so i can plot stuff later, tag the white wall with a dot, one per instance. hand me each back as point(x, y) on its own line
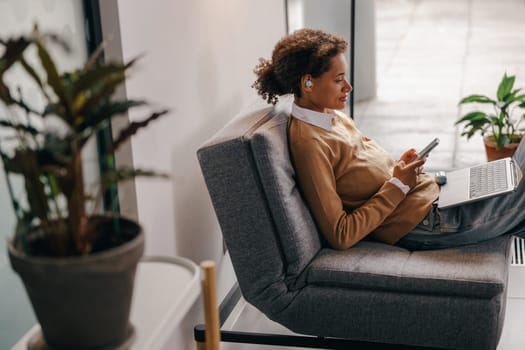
point(199, 57)
point(199, 60)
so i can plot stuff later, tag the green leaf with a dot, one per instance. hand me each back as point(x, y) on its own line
point(57, 40)
point(475, 122)
point(14, 49)
point(25, 107)
point(505, 86)
point(478, 99)
point(19, 127)
point(105, 112)
point(473, 130)
point(511, 98)
point(132, 128)
point(106, 87)
point(35, 76)
point(56, 151)
point(126, 173)
point(520, 98)
point(496, 121)
point(14, 201)
point(476, 116)
point(5, 94)
point(112, 177)
point(25, 162)
point(101, 117)
point(13, 52)
point(90, 79)
point(511, 95)
point(93, 59)
point(54, 80)
point(54, 109)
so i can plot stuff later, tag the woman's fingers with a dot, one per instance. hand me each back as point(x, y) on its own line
point(409, 156)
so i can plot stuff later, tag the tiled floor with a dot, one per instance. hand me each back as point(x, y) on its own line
point(430, 54)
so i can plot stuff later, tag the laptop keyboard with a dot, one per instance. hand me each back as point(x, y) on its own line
point(487, 178)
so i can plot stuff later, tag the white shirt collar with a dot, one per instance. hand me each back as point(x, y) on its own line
point(322, 120)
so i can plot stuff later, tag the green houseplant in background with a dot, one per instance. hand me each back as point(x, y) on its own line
point(499, 123)
point(77, 265)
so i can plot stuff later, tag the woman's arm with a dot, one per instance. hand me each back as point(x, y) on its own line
point(312, 162)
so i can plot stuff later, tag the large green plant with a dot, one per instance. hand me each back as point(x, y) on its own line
point(54, 208)
point(504, 119)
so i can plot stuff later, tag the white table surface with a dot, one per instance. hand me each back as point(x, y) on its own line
point(165, 289)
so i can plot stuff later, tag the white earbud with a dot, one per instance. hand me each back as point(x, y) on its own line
point(308, 83)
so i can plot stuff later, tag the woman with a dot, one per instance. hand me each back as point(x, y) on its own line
point(352, 186)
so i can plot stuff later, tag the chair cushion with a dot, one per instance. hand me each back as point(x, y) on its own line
point(295, 227)
point(475, 271)
point(268, 230)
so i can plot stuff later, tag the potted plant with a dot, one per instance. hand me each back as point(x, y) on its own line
point(499, 124)
point(77, 263)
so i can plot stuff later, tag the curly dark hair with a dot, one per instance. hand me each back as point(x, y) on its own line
point(306, 51)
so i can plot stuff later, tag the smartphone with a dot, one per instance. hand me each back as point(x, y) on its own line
point(423, 153)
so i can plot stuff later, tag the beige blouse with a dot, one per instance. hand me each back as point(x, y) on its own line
point(344, 178)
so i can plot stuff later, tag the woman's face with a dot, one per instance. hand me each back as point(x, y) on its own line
point(328, 91)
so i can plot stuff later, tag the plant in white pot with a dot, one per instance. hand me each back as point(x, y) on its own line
point(77, 265)
point(499, 124)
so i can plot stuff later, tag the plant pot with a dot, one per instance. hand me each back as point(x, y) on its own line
point(83, 302)
point(493, 153)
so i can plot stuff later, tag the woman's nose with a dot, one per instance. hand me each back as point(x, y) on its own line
point(348, 87)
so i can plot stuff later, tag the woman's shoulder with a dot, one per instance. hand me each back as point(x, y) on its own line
point(307, 139)
point(301, 130)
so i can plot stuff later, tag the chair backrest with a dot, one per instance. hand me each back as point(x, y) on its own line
point(267, 227)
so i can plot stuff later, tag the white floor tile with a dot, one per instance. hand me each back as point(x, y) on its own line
point(516, 287)
point(513, 335)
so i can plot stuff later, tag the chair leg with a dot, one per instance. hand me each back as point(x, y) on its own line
point(211, 311)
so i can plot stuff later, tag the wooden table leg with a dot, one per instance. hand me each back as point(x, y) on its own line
point(211, 310)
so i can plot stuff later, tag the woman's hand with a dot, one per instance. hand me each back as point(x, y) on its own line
point(409, 156)
point(407, 173)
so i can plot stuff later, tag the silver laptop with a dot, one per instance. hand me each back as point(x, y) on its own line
point(479, 182)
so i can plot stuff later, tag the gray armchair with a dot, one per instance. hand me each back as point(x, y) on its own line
point(373, 292)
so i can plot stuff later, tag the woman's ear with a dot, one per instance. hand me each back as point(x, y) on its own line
point(307, 83)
